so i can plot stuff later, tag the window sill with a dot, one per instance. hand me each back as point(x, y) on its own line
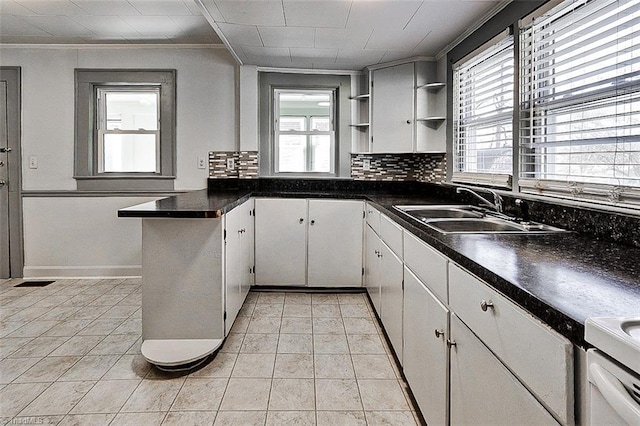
point(124, 183)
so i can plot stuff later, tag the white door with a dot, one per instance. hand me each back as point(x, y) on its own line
point(393, 106)
point(4, 186)
point(281, 241)
point(372, 267)
point(335, 243)
point(483, 391)
point(391, 296)
point(425, 349)
point(234, 265)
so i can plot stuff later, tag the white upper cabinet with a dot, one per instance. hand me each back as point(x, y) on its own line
point(408, 108)
point(335, 243)
point(393, 109)
point(281, 241)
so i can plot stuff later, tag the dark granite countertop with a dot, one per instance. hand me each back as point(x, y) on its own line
point(562, 279)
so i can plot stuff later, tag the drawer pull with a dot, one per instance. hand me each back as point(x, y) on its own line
point(301, 220)
point(439, 333)
point(451, 343)
point(484, 305)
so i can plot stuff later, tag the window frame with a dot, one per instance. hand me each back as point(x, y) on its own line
point(276, 91)
point(87, 172)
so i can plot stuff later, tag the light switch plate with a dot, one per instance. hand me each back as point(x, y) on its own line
point(366, 164)
point(202, 163)
point(231, 163)
point(33, 162)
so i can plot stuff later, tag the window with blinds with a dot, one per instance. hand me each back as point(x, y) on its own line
point(483, 115)
point(580, 101)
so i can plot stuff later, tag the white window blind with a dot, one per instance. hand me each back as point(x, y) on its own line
point(580, 101)
point(483, 115)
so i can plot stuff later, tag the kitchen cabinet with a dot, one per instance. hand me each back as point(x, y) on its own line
point(335, 238)
point(537, 355)
point(383, 277)
point(295, 240)
point(281, 241)
point(392, 120)
point(429, 266)
point(425, 359)
point(483, 391)
point(238, 271)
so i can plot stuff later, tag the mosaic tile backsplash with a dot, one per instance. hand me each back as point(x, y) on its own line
point(420, 167)
point(245, 164)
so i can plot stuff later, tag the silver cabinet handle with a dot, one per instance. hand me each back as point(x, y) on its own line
point(3, 182)
point(301, 220)
point(408, 121)
point(5, 149)
point(486, 304)
point(451, 343)
point(313, 222)
point(439, 333)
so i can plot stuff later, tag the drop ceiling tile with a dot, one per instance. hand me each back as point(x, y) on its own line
point(368, 56)
point(52, 7)
point(107, 7)
point(287, 36)
point(61, 26)
point(317, 13)
point(349, 38)
point(275, 52)
point(241, 34)
point(382, 14)
point(161, 7)
point(106, 26)
point(193, 25)
point(193, 7)
point(394, 55)
point(452, 17)
point(153, 26)
point(266, 13)
point(211, 9)
point(197, 39)
point(388, 39)
point(13, 26)
point(10, 7)
point(302, 54)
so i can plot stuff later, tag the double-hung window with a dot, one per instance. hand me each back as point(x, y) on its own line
point(580, 101)
point(304, 133)
point(125, 124)
point(483, 114)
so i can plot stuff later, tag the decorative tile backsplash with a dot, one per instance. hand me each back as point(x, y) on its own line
point(420, 167)
point(245, 164)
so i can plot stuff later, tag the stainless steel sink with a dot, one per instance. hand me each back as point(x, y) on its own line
point(467, 219)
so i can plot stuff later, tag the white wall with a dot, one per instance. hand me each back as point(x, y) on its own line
point(64, 233)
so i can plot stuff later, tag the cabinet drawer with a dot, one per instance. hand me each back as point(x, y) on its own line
point(540, 357)
point(373, 218)
point(391, 234)
point(428, 265)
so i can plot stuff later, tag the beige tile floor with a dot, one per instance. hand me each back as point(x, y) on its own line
point(70, 355)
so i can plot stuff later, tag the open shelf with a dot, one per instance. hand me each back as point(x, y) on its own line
point(432, 86)
point(360, 97)
point(432, 119)
point(359, 125)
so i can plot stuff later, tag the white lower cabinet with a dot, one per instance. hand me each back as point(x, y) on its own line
point(391, 296)
point(425, 354)
point(281, 241)
point(238, 258)
point(335, 243)
point(308, 242)
point(483, 391)
point(372, 266)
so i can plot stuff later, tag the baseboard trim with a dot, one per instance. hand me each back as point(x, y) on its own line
point(61, 272)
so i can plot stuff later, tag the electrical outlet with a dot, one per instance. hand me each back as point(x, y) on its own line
point(366, 164)
point(202, 163)
point(231, 163)
point(33, 162)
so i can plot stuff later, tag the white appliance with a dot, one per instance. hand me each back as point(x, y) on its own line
point(613, 369)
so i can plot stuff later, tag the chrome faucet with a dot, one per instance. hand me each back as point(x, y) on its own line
point(497, 199)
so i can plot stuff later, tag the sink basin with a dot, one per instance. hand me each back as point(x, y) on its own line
point(433, 212)
point(617, 337)
point(489, 225)
point(467, 219)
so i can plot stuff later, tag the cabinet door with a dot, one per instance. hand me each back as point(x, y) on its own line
point(372, 267)
point(483, 391)
point(391, 296)
point(234, 264)
point(247, 248)
point(425, 349)
point(335, 243)
point(281, 245)
point(393, 117)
